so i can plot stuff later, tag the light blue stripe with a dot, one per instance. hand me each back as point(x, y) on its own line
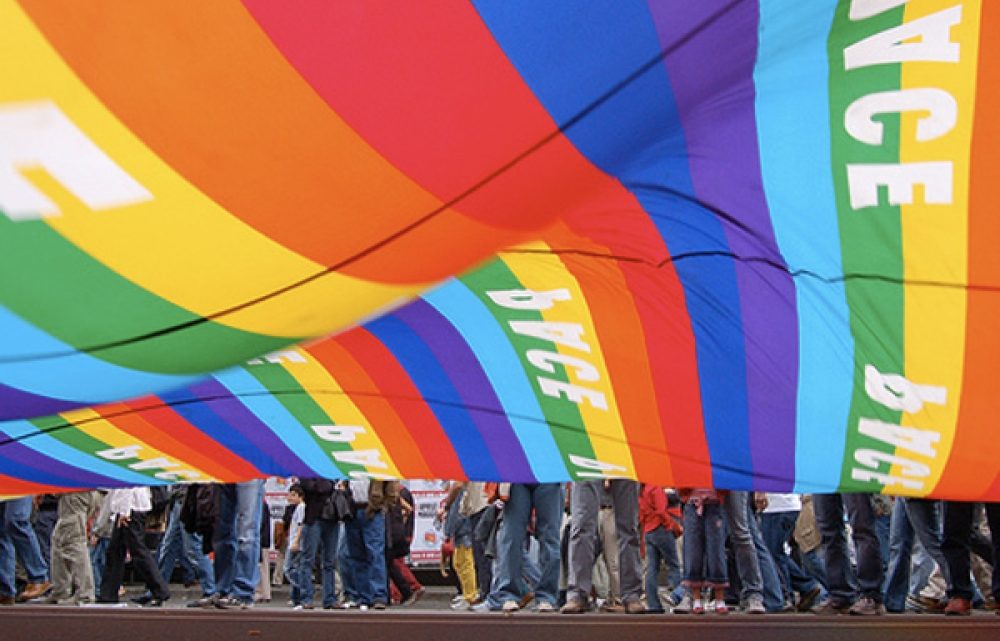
point(56, 449)
point(81, 378)
point(258, 399)
point(793, 120)
point(496, 355)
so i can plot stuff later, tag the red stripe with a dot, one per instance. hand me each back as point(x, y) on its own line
point(427, 86)
point(394, 385)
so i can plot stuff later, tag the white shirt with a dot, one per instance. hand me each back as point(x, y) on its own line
point(298, 518)
point(127, 500)
point(783, 503)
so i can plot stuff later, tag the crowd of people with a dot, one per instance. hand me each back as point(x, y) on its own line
point(611, 545)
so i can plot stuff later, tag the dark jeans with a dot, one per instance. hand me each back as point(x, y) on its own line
point(130, 538)
point(830, 521)
point(777, 528)
point(484, 565)
point(956, 547)
point(661, 546)
point(911, 518)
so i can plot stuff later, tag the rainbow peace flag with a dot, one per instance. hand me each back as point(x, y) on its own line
point(746, 244)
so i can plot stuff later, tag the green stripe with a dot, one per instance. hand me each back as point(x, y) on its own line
point(564, 418)
point(297, 400)
point(64, 291)
point(56, 427)
point(871, 238)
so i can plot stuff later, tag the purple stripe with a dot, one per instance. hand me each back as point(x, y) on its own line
point(270, 454)
point(472, 384)
point(16, 404)
point(720, 127)
point(22, 462)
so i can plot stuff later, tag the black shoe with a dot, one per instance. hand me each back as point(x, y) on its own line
point(154, 603)
point(142, 600)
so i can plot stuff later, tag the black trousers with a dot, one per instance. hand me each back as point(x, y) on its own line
point(130, 538)
point(957, 544)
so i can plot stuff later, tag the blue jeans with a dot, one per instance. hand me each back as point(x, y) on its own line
point(830, 521)
point(774, 601)
point(737, 511)
point(314, 534)
point(777, 528)
point(298, 577)
point(661, 546)
point(16, 534)
point(98, 558)
point(547, 500)
point(237, 539)
point(704, 547)
point(180, 545)
point(911, 518)
point(365, 558)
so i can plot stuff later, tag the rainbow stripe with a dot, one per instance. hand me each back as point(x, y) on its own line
point(746, 244)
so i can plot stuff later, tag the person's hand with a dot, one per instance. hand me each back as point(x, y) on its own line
point(123, 520)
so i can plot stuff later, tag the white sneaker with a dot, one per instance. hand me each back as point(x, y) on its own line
point(545, 606)
point(510, 606)
point(684, 607)
point(698, 607)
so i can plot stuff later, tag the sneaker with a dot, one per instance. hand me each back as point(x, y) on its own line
point(867, 606)
point(481, 607)
point(808, 599)
point(831, 606)
point(957, 606)
point(718, 606)
point(698, 607)
point(347, 605)
point(297, 607)
point(755, 605)
point(458, 598)
point(379, 605)
point(545, 607)
point(574, 605)
point(685, 606)
point(510, 606)
point(363, 607)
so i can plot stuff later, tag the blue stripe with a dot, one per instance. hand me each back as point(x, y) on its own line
point(793, 120)
point(30, 436)
point(271, 412)
point(569, 54)
point(439, 394)
point(506, 374)
point(82, 378)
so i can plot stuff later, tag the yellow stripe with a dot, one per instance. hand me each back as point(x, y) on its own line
point(935, 242)
point(311, 375)
point(94, 425)
point(543, 272)
point(206, 260)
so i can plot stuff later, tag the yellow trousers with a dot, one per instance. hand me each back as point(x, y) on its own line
point(465, 567)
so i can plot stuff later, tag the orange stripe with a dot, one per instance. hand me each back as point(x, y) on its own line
point(973, 469)
point(387, 424)
point(622, 339)
point(168, 432)
point(212, 96)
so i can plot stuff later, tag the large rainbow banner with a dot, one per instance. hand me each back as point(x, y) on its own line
point(744, 243)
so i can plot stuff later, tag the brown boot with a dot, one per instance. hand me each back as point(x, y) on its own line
point(33, 591)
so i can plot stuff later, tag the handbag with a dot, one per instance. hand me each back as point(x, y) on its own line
point(338, 506)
